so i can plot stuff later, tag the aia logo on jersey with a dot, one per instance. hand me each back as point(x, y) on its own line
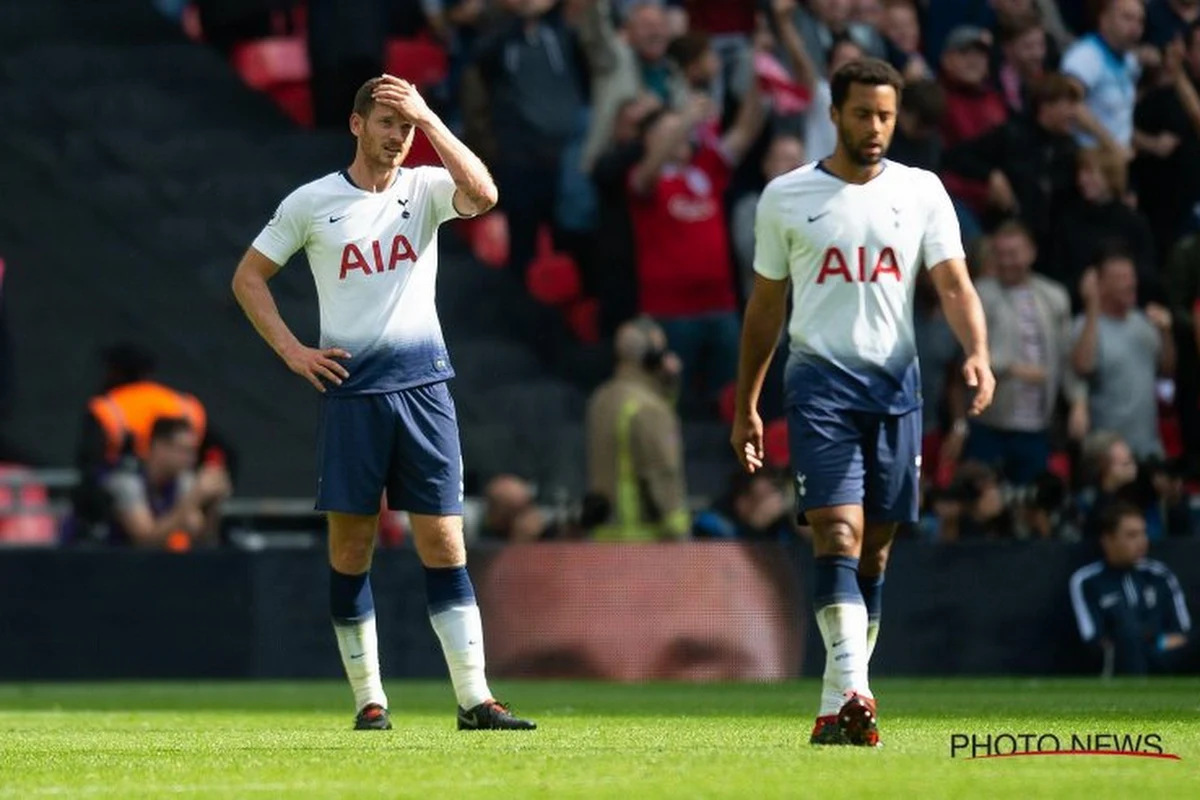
point(864, 268)
point(353, 259)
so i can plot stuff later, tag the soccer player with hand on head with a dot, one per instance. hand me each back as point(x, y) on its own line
point(387, 418)
point(847, 235)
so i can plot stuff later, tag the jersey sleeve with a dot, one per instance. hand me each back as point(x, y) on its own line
point(439, 190)
point(287, 230)
point(942, 239)
point(770, 239)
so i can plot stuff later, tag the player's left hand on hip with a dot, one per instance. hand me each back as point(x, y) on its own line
point(978, 374)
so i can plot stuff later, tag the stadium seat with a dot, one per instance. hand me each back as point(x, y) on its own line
point(583, 317)
point(727, 402)
point(416, 60)
point(27, 522)
point(265, 63)
point(1059, 465)
point(553, 279)
point(189, 20)
point(1169, 431)
point(279, 66)
point(487, 237)
point(422, 153)
point(775, 444)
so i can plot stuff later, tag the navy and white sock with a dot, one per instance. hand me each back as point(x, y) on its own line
point(842, 618)
point(352, 607)
point(455, 618)
point(872, 594)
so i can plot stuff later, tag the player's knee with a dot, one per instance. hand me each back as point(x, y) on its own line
point(350, 556)
point(439, 541)
point(442, 551)
point(840, 538)
point(351, 544)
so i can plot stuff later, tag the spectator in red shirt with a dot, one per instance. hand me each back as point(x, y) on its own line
point(685, 274)
point(973, 106)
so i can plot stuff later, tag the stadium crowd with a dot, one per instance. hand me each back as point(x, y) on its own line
point(630, 139)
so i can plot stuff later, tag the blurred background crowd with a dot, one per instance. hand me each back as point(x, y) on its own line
point(594, 318)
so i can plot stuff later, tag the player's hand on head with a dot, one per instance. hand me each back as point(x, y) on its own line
point(747, 441)
point(317, 365)
point(977, 372)
point(402, 96)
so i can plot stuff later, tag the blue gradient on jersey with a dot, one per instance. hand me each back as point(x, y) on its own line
point(392, 366)
point(858, 385)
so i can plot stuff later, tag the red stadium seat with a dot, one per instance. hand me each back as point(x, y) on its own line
point(553, 279)
point(419, 61)
point(27, 522)
point(190, 20)
point(278, 66)
point(1169, 431)
point(422, 153)
point(583, 317)
point(1059, 465)
point(488, 238)
point(775, 444)
point(276, 61)
point(727, 402)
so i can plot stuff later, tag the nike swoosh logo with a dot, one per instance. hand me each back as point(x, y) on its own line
point(469, 719)
point(818, 216)
point(356, 656)
point(838, 643)
point(333, 219)
point(402, 202)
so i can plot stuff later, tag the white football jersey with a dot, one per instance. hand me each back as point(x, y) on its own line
point(374, 259)
point(852, 252)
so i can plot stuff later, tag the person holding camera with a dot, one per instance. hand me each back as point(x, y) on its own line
point(634, 442)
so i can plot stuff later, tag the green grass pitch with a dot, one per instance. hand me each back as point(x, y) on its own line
point(277, 739)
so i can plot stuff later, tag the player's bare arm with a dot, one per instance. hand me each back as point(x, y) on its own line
point(964, 312)
point(765, 313)
point(254, 296)
point(476, 190)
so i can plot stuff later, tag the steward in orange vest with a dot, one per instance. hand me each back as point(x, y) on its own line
point(117, 427)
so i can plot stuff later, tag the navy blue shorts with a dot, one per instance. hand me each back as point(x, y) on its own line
point(404, 443)
point(847, 458)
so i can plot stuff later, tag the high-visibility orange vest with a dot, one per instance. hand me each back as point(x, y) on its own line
point(130, 411)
